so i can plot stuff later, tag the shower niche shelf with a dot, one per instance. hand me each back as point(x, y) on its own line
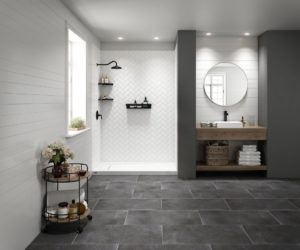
point(105, 84)
point(105, 99)
point(138, 106)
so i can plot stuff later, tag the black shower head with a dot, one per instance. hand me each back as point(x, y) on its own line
point(116, 67)
point(113, 67)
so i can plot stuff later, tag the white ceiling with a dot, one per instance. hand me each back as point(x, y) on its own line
point(141, 20)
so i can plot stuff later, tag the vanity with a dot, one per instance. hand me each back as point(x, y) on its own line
point(256, 134)
point(226, 85)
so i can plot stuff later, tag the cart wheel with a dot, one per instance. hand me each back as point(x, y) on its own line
point(79, 230)
point(90, 217)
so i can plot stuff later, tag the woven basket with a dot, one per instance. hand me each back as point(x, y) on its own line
point(217, 155)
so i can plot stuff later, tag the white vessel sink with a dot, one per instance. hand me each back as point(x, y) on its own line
point(229, 124)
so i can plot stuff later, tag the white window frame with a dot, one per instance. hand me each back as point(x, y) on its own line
point(69, 133)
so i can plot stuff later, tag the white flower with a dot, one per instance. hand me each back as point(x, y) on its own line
point(47, 153)
point(57, 145)
point(67, 152)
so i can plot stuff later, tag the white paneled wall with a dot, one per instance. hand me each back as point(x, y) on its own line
point(241, 51)
point(32, 108)
point(139, 136)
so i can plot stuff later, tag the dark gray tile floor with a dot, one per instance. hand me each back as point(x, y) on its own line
point(166, 213)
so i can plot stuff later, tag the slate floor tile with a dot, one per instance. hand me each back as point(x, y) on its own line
point(239, 185)
point(124, 234)
point(113, 194)
point(163, 194)
point(147, 186)
point(287, 217)
point(204, 234)
point(120, 186)
point(194, 204)
point(256, 247)
point(277, 194)
point(296, 202)
point(165, 247)
point(128, 204)
point(182, 186)
point(221, 194)
point(109, 217)
point(54, 239)
point(237, 217)
point(200, 185)
point(274, 234)
point(114, 178)
point(260, 204)
point(288, 185)
point(160, 178)
point(163, 217)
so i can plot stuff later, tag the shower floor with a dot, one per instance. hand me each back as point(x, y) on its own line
point(136, 168)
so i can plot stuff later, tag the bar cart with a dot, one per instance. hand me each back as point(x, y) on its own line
point(79, 174)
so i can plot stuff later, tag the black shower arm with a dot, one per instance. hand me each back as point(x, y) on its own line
point(105, 64)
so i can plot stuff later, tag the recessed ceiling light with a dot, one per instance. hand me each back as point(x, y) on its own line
point(247, 34)
point(120, 38)
point(208, 34)
point(156, 38)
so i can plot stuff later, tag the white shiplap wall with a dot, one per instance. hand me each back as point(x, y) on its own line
point(241, 51)
point(32, 108)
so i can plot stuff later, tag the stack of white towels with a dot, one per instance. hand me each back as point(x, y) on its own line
point(249, 156)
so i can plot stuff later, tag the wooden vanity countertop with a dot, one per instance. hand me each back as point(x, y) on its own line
point(255, 133)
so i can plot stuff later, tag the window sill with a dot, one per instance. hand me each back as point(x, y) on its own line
point(72, 133)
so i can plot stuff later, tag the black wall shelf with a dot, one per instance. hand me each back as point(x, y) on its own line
point(106, 99)
point(105, 84)
point(138, 106)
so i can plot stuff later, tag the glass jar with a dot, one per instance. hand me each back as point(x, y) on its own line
point(63, 210)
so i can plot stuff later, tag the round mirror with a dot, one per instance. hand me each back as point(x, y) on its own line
point(225, 84)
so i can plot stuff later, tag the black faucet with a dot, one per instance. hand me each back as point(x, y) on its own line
point(225, 115)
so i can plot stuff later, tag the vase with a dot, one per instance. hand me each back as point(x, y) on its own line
point(57, 171)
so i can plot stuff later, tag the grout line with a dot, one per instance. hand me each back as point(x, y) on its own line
point(202, 223)
point(73, 241)
point(227, 204)
point(244, 230)
point(126, 217)
point(275, 218)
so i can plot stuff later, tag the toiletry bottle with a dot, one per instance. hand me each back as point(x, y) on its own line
point(63, 210)
point(106, 79)
point(73, 210)
point(102, 78)
point(145, 100)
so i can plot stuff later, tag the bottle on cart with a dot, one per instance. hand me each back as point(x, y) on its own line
point(73, 210)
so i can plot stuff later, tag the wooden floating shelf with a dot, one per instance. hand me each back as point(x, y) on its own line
point(105, 84)
point(229, 168)
point(55, 219)
point(138, 106)
point(255, 133)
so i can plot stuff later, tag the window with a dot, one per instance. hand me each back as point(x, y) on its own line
point(76, 77)
point(215, 87)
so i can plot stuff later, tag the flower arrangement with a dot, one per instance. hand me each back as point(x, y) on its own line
point(57, 153)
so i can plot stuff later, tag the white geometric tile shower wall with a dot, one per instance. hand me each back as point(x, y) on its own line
point(139, 136)
point(241, 51)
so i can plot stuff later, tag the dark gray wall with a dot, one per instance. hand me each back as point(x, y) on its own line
point(279, 100)
point(186, 89)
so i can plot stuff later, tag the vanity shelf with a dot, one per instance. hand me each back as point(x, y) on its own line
point(229, 168)
point(138, 106)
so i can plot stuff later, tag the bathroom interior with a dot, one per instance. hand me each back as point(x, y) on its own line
point(169, 99)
